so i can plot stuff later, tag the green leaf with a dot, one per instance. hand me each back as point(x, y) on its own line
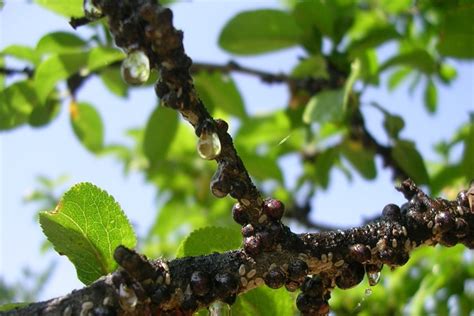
point(468, 154)
point(220, 92)
point(330, 105)
point(159, 134)
point(330, 18)
point(56, 68)
point(431, 96)
point(373, 38)
point(313, 66)
point(456, 33)
point(103, 56)
point(326, 106)
point(60, 42)
point(360, 158)
point(17, 102)
point(369, 67)
point(264, 301)
point(87, 126)
point(318, 14)
point(259, 31)
point(269, 129)
point(418, 59)
point(397, 77)
point(447, 73)
point(69, 8)
point(45, 113)
point(21, 52)
point(12, 306)
point(405, 154)
point(393, 124)
point(445, 177)
point(208, 240)
point(86, 226)
point(324, 163)
point(263, 167)
point(112, 79)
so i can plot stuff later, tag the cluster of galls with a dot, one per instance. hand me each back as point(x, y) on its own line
point(314, 296)
point(205, 288)
point(202, 289)
point(154, 281)
point(448, 227)
point(262, 233)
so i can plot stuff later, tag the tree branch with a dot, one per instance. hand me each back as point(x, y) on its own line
point(339, 258)
point(11, 71)
point(271, 254)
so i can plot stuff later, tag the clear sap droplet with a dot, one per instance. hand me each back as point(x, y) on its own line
point(91, 11)
point(209, 145)
point(368, 292)
point(219, 309)
point(136, 68)
point(374, 277)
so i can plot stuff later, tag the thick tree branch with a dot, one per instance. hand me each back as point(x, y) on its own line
point(146, 26)
point(334, 258)
point(272, 254)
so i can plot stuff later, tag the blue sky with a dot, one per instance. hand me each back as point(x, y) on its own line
point(54, 150)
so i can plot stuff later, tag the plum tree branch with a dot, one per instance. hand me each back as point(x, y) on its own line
point(272, 254)
point(339, 258)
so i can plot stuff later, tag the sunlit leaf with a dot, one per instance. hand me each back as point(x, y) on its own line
point(70, 8)
point(431, 96)
point(468, 154)
point(12, 306)
point(397, 77)
point(46, 112)
point(447, 73)
point(219, 91)
point(264, 301)
point(103, 56)
point(113, 81)
point(55, 69)
point(314, 66)
point(17, 102)
point(260, 31)
point(21, 52)
point(326, 106)
point(263, 167)
point(87, 125)
point(419, 59)
point(360, 158)
point(405, 154)
point(60, 42)
point(456, 33)
point(159, 134)
point(208, 240)
point(86, 226)
point(323, 165)
point(375, 37)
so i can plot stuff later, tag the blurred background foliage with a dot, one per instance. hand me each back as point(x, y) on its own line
point(323, 126)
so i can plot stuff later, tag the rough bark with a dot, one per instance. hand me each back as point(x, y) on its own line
point(271, 254)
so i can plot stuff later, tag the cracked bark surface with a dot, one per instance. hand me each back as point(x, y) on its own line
point(271, 255)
